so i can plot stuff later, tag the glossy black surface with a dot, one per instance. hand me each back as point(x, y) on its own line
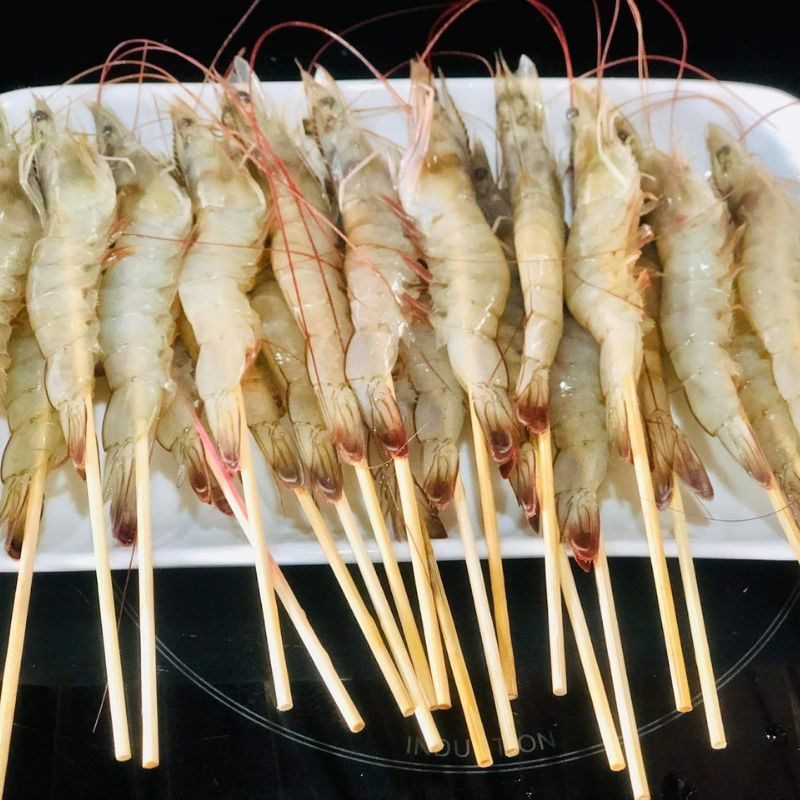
point(221, 737)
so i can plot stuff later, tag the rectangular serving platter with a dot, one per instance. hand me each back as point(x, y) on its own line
point(738, 523)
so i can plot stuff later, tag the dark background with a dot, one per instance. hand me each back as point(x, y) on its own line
point(220, 737)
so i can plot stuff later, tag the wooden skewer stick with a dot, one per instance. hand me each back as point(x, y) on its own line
point(472, 715)
point(318, 654)
point(497, 580)
point(552, 554)
point(19, 616)
point(594, 680)
point(702, 655)
point(422, 581)
point(784, 514)
point(266, 590)
point(147, 615)
point(491, 650)
point(357, 605)
point(655, 542)
point(422, 712)
point(396, 585)
point(105, 592)
point(619, 677)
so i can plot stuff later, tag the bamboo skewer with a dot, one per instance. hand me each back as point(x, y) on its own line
point(552, 549)
point(314, 647)
point(497, 580)
point(702, 655)
point(491, 650)
point(422, 581)
point(19, 617)
point(655, 542)
point(382, 608)
point(591, 669)
point(395, 578)
point(266, 590)
point(147, 618)
point(357, 605)
point(105, 593)
point(472, 716)
point(619, 677)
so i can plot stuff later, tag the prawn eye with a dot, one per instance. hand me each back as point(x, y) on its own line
point(724, 151)
point(572, 113)
point(107, 130)
point(40, 116)
point(185, 122)
point(244, 96)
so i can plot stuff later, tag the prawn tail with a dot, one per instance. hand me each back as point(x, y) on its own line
point(790, 483)
point(348, 433)
point(377, 400)
point(13, 507)
point(433, 524)
point(531, 403)
point(440, 468)
point(280, 452)
point(325, 471)
point(617, 423)
point(73, 423)
point(192, 465)
point(225, 421)
point(522, 478)
point(739, 439)
point(493, 410)
point(579, 517)
point(690, 469)
point(661, 436)
point(120, 488)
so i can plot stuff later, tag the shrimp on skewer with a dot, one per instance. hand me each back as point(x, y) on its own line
point(20, 229)
point(219, 269)
point(539, 230)
point(469, 287)
point(605, 296)
point(470, 277)
point(695, 241)
point(137, 292)
point(670, 450)
point(767, 410)
point(438, 414)
point(384, 278)
point(36, 441)
point(35, 446)
point(283, 347)
point(74, 193)
point(767, 256)
point(265, 416)
point(176, 431)
point(580, 438)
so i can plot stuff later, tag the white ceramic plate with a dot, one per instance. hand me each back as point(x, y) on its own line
point(737, 524)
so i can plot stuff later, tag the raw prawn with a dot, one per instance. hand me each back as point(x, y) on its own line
point(219, 269)
point(695, 241)
point(767, 256)
point(470, 276)
point(266, 416)
point(137, 292)
point(537, 200)
point(283, 346)
point(177, 434)
point(384, 278)
point(36, 439)
point(305, 258)
point(20, 229)
point(767, 410)
point(580, 439)
point(670, 450)
point(74, 192)
point(603, 244)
